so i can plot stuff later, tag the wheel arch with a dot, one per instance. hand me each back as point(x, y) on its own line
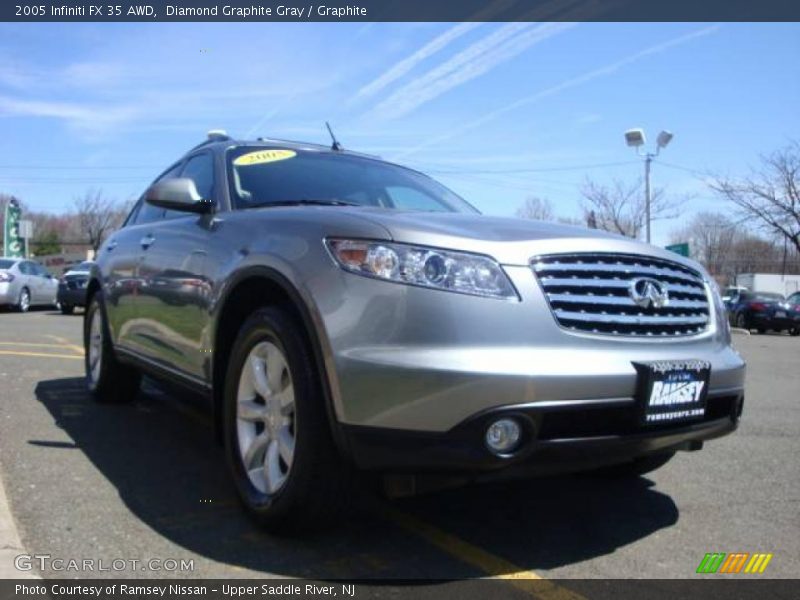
point(252, 288)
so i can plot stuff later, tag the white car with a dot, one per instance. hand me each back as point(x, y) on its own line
point(25, 283)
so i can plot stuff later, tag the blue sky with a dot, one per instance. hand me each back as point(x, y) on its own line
point(109, 105)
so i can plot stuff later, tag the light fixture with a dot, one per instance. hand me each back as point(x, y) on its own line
point(635, 137)
point(663, 139)
point(503, 435)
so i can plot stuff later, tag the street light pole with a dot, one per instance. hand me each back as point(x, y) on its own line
point(636, 139)
point(647, 160)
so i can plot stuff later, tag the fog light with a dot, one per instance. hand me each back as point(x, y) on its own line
point(503, 435)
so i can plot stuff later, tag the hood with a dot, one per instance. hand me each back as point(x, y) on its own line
point(510, 241)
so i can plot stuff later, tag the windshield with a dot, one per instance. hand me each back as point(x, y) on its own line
point(84, 266)
point(264, 176)
point(6, 264)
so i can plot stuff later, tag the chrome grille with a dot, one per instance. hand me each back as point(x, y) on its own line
point(592, 293)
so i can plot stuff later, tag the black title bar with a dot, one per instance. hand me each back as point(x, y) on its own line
point(401, 10)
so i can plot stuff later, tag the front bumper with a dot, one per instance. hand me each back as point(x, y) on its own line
point(415, 359)
point(556, 440)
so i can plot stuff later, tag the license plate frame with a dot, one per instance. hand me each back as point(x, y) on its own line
point(668, 392)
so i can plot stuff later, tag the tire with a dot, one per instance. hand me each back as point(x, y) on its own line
point(794, 332)
point(108, 380)
point(24, 302)
point(306, 484)
point(67, 309)
point(741, 322)
point(761, 330)
point(637, 467)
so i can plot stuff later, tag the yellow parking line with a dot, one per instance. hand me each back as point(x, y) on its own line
point(33, 344)
point(494, 566)
point(67, 344)
point(12, 353)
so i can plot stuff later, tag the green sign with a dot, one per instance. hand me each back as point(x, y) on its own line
point(12, 242)
point(682, 248)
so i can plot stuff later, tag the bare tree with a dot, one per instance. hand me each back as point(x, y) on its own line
point(97, 216)
point(536, 208)
point(771, 194)
point(620, 207)
point(711, 237)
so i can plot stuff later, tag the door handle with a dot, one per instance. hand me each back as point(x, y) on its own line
point(147, 241)
point(111, 245)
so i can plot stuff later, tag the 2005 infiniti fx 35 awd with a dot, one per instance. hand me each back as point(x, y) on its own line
point(349, 314)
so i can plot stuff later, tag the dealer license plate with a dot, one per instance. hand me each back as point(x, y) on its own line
point(672, 391)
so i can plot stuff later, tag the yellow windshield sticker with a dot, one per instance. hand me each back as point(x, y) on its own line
point(261, 157)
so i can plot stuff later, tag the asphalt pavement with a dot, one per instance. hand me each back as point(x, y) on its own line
point(147, 481)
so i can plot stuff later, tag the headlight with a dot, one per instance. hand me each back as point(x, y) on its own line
point(721, 310)
point(428, 267)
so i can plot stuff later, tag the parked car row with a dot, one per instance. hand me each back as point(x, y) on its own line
point(765, 311)
point(25, 283)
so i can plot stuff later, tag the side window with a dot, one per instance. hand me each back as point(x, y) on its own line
point(26, 268)
point(200, 169)
point(131, 218)
point(408, 198)
point(148, 213)
point(40, 270)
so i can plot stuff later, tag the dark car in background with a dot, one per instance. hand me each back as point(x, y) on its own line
point(72, 287)
point(764, 311)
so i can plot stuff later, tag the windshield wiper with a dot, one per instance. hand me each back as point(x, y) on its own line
point(307, 202)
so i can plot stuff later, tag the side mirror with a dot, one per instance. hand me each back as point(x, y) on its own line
point(178, 194)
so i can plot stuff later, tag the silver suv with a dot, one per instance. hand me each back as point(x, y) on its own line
point(346, 314)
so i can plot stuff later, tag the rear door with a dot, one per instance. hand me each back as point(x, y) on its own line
point(47, 284)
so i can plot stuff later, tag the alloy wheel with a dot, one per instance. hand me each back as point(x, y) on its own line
point(95, 345)
point(265, 417)
point(24, 300)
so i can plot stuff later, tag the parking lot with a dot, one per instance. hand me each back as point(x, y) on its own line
point(147, 480)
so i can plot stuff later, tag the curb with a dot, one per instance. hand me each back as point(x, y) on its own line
point(10, 544)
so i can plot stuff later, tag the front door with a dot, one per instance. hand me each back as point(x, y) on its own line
point(173, 308)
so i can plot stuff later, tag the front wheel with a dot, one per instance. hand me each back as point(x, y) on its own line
point(108, 380)
point(741, 321)
point(280, 451)
point(66, 309)
point(795, 331)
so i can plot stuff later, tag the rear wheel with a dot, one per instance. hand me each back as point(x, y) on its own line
point(741, 321)
point(795, 331)
point(67, 309)
point(108, 380)
point(638, 466)
point(278, 443)
point(24, 302)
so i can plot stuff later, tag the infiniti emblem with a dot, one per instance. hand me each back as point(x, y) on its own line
point(648, 293)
